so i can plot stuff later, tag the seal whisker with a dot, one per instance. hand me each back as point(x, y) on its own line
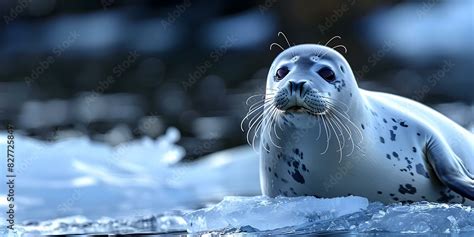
point(267, 124)
point(339, 128)
point(259, 125)
point(340, 46)
point(351, 123)
point(328, 135)
point(337, 138)
point(248, 116)
point(275, 121)
point(319, 129)
point(276, 45)
point(347, 129)
point(349, 132)
point(285, 38)
point(329, 41)
point(256, 133)
point(253, 96)
point(271, 124)
point(258, 104)
point(252, 124)
point(331, 100)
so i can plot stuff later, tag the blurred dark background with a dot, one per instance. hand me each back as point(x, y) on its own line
point(119, 70)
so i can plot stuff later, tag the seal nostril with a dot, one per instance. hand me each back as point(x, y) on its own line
point(301, 87)
point(291, 84)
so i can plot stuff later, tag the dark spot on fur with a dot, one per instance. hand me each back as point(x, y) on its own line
point(395, 154)
point(421, 171)
point(394, 120)
point(382, 140)
point(408, 188)
point(296, 151)
point(394, 127)
point(296, 164)
point(298, 177)
point(414, 149)
point(392, 194)
point(304, 168)
point(388, 157)
point(284, 180)
point(379, 192)
point(395, 199)
point(445, 197)
point(403, 124)
point(392, 135)
point(384, 120)
point(269, 169)
point(418, 134)
point(275, 174)
point(362, 125)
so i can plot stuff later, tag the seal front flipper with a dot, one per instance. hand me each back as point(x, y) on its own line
point(449, 167)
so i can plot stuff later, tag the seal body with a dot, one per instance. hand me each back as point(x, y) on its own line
point(323, 136)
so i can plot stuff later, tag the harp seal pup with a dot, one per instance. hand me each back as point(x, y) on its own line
point(323, 136)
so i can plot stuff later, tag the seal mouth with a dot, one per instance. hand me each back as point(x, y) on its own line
point(297, 109)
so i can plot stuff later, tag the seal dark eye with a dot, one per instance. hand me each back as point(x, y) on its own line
point(281, 72)
point(327, 74)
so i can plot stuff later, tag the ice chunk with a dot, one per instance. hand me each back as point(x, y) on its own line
point(422, 217)
point(264, 213)
point(171, 222)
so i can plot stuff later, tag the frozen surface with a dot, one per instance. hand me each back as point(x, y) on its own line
point(282, 215)
point(264, 213)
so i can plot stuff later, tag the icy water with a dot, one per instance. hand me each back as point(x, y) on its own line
point(77, 186)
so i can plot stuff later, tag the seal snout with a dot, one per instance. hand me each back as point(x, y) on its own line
point(297, 88)
point(299, 96)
